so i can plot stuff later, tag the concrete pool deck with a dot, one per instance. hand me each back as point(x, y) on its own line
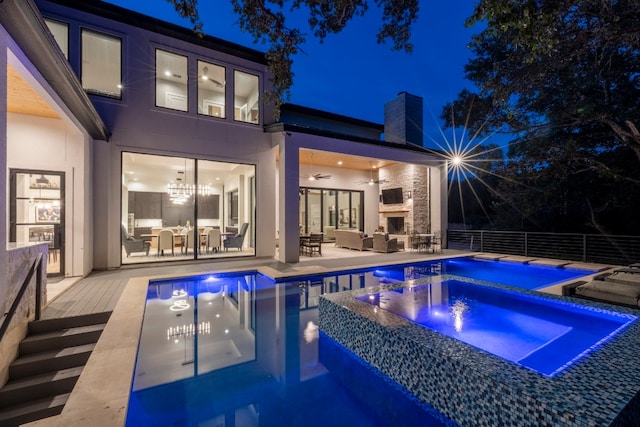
point(101, 395)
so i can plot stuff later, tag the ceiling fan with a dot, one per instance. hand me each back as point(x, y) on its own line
point(316, 176)
point(205, 76)
point(371, 180)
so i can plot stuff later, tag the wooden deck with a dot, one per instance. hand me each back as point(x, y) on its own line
point(89, 295)
point(100, 291)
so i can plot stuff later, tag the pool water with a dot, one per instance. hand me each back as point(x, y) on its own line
point(258, 359)
point(519, 275)
point(241, 349)
point(540, 334)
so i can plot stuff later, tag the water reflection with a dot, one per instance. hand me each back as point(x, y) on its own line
point(247, 352)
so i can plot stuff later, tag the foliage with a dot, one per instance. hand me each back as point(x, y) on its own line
point(266, 21)
point(565, 76)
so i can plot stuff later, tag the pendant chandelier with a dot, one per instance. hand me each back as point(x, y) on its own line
point(180, 192)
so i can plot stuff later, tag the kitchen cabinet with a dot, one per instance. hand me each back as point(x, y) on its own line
point(209, 206)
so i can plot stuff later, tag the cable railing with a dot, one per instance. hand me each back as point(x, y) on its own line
point(596, 248)
point(36, 268)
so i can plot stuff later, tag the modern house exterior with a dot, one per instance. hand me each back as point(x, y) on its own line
point(119, 125)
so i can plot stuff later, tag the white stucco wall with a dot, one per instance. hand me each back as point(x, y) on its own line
point(57, 145)
point(48, 144)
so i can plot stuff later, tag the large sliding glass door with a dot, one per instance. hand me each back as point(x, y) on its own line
point(172, 206)
point(36, 212)
point(324, 210)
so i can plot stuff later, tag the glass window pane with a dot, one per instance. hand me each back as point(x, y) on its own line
point(211, 89)
point(356, 210)
point(101, 64)
point(314, 200)
point(60, 32)
point(344, 215)
point(329, 214)
point(246, 100)
point(303, 210)
point(171, 81)
point(161, 192)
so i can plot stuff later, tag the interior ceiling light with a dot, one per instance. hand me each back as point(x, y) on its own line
point(42, 180)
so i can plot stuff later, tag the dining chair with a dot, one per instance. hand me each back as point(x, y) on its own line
point(165, 241)
point(213, 240)
point(190, 242)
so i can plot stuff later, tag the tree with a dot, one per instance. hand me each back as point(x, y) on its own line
point(563, 75)
point(575, 61)
point(266, 21)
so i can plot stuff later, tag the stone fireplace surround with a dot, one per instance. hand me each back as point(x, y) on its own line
point(414, 181)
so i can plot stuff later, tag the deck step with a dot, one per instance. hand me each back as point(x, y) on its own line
point(33, 410)
point(51, 359)
point(53, 340)
point(39, 363)
point(39, 386)
point(49, 325)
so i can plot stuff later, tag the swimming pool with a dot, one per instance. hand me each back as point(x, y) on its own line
point(516, 274)
point(243, 349)
point(543, 335)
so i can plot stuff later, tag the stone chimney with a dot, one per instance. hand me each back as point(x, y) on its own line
point(403, 119)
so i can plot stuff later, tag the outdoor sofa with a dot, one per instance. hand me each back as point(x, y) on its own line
point(353, 239)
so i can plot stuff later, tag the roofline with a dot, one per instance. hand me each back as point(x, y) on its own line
point(332, 116)
point(23, 21)
point(283, 127)
point(146, 22)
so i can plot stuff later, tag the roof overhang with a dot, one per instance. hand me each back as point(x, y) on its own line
point(26, 25)
point(291, 128)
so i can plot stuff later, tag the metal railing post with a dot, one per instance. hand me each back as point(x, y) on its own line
point(482, 241)
point(584, 248)
point(526, 244)
point(38, 289)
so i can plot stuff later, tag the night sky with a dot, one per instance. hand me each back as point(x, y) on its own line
point(350, 73)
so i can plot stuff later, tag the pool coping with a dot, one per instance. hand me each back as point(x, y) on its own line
point(101, 395)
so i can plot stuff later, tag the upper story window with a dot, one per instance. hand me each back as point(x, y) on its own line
point(171, 81)
point(101, 64)
point(211, 89)
point(246, 105)
point(60, 32)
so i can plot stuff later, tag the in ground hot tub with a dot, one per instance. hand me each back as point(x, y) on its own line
point(485, 355)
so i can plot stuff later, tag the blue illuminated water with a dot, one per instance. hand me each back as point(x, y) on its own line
point(240, 349)
point(540, 334)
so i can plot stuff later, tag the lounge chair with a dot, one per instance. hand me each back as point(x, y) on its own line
point(616, 288)
point(382, 243)
point(132, 244)
point(631, 269)
point(236, 241)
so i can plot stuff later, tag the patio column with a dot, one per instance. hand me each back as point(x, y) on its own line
point(288, 204)
point(3, 162)
point(439, 210)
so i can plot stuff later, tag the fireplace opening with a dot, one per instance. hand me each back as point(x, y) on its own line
point(395, 225)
